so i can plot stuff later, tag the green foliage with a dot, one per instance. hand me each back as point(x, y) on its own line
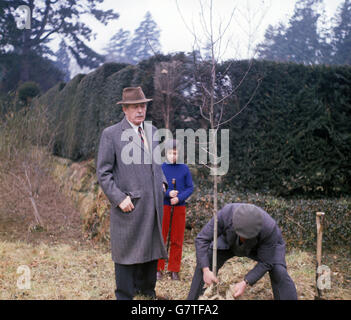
point(294, 137)
point(28, 91)
point(42, 71)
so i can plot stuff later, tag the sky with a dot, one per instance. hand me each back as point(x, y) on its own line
point(177, 22)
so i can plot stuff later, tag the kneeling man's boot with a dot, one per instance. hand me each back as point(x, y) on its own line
point(159, 275)
point(175, 276)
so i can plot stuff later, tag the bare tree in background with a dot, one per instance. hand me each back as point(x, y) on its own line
point(167, 83)
point(25, 163)
point(252, 20)
point(212, 89)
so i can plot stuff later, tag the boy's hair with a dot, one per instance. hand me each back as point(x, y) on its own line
point(171, 144)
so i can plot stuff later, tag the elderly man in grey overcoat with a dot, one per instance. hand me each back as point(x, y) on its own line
point(244, 230)
point(132, 179)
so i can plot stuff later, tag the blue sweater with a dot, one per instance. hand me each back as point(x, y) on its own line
point(184, 182)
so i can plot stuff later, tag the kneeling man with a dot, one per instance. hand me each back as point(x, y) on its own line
point(244, 230)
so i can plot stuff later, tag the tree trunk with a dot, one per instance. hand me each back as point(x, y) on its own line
point(319, 223)
point(24, 76)
point(25, 58)
point(215, 178)
point(36, 212)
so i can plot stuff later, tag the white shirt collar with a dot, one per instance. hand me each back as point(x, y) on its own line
point(136, 127)
point(137, 132)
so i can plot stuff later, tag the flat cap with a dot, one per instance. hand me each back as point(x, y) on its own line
point(247, 221)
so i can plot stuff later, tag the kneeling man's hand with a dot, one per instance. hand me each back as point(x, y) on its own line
point(126, 205)
point(239, 289)
point(209, 276)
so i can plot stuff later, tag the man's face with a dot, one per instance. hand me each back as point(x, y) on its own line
point(135, 113)
point(172, 155)
point(242, 239)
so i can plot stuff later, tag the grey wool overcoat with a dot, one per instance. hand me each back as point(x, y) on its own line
point(136, 237)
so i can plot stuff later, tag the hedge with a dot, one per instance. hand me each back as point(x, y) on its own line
point(293, 138)
point(296, 135)
point(295, 216)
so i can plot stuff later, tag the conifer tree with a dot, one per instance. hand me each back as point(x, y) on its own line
point(63, 61)
point(342, 34)
point(302, 40)
point(146, 40)
point(47, 19)
point(117, 47)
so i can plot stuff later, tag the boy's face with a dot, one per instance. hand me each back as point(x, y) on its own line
point(172, 155)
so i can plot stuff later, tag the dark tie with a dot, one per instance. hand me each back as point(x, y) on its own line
point(140, 130)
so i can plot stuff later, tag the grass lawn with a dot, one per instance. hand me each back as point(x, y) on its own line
point(63, 271)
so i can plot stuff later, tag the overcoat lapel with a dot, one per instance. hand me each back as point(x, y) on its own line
point(153, 142)
point(135, 137)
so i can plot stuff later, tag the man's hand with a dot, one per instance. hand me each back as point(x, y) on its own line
point(173, 193)
point(164, 187)
point(174, 201)
point(209, 276)
point(126, 205)
point(239, 289)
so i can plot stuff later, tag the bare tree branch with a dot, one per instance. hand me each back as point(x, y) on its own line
point(245, 106)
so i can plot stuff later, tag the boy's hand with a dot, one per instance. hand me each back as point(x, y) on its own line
point(173, 193)
point(174, 201)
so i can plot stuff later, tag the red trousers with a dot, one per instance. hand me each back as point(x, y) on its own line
point(177, 237)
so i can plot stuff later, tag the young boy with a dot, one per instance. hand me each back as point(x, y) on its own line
point(174, 198)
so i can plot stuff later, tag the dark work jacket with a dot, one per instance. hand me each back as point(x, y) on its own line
point(268, 248)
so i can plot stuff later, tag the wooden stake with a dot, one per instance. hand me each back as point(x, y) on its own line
point(319, 223)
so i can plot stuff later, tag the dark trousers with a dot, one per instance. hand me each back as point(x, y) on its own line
point(282, 285)
point(135, 279)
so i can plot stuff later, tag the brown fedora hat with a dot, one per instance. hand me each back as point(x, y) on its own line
point(133, 95)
